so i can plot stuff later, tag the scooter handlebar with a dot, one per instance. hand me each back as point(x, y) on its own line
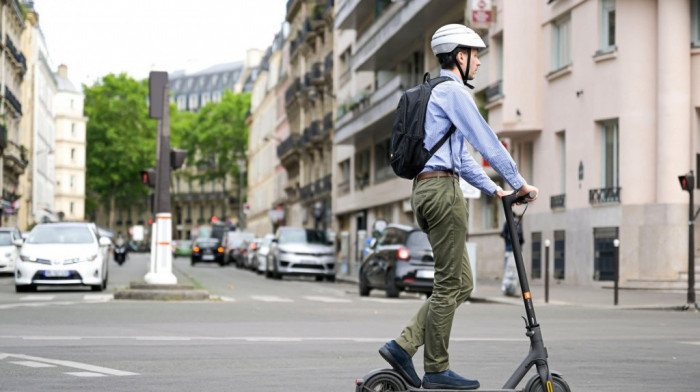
point(513, 199)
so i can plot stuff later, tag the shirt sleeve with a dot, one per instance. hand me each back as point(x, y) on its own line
point(466, 117)
point(474, 174)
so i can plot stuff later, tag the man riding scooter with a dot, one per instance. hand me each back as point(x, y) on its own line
point(120, 249)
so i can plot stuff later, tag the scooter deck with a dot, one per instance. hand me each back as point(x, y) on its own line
point(453, 390)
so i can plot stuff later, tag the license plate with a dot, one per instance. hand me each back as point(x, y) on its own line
point(56, 274)
point(208, 257)
point(425, 274)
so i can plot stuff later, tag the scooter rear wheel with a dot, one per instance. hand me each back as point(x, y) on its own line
point(383, 382)
point(558, 384)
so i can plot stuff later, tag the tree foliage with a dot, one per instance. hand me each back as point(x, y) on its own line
point(120, 138)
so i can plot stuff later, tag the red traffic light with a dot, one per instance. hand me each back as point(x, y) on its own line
point(687, 181)
point(148, 177)
point(150, 221)
point(214, 219)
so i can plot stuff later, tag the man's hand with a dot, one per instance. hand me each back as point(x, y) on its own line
point(525, 189)
point(500, 193)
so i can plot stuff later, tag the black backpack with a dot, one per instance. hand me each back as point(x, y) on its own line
point(407, 154)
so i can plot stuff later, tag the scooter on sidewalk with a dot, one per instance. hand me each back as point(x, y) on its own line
point(544, 381)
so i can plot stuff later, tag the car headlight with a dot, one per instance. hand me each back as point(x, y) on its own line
point(27, 258)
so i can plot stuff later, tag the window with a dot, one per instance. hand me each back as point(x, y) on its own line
point(206, 97)
point(604, 251)
point(610, 154)
point(216, 97)
point(193, 102)
point(181, 103)
point(345, 171)
point(382, 167)
point(362, 170)
point(695, 22)
point(72, 207)
point(559, 247)
point(561, 136)
point(72, 103)
point(346, 61)
point(72, 154)
point(391, 236)
point(607, 25)
point(490, 208)
point(72, 129)
point(561, 43)
point(72, 182)
point(536, 255)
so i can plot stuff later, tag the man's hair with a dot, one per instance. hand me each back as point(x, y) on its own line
point(447, 60)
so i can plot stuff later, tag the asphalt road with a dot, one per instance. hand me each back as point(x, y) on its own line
point(301, 335)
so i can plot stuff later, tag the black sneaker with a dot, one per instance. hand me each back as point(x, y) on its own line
point(399, 359)
point(448, 380)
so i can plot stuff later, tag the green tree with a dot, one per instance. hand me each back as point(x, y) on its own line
point(219, 136)
point(120, 139)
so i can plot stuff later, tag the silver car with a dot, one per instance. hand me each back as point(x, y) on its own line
point(300, 251)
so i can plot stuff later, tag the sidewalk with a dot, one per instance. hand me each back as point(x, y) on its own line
point(600, 295)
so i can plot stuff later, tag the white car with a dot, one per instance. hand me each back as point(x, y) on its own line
point(63, 254)
point(10, 242)
point(263, 253)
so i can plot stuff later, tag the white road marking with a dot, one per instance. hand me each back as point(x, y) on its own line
point(52, 338)
point(98, 297)
point(32, 364)
point(71, 364)
point(270, 298)
point(85, 374)
point(227, 299)
point(38, 298)
point(693, 343)
point(328, 299)
point(164, 338)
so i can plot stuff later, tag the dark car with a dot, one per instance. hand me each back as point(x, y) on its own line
point(208, 250)
point(401, 260)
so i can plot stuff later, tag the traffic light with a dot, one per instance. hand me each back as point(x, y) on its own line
point(148, 177)
point(177, 157)
point(687, 181)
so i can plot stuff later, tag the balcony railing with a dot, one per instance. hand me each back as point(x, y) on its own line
point(323, 185)
point(288, 145)
point(316, 73)
point(3, 136)
point(327, 122)
point(292, 90)
point(557, 202)
point(494, 91)
point(604, 196)
point(13, 101)
point(16, 54)
point(328, 65)
point(306, 192)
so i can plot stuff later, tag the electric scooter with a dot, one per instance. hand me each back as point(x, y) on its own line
point(544, 381)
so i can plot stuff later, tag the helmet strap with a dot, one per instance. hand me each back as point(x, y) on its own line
point(462, 73)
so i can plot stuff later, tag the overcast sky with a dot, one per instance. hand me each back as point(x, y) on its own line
point(97, 37)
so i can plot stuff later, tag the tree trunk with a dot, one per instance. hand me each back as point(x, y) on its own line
point(223, 218)
point(111, 211)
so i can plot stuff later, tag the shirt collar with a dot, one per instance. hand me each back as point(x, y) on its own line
point(444, 72)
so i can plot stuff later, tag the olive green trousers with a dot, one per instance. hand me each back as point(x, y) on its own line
point(441, 212)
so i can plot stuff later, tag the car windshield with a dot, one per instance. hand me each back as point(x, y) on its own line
point(236, 242)
point(184, 243)
point(267, 241)
point(5, 239)
point(207, 241)
point(60, 235)
point(418, 240)
point(303, 236)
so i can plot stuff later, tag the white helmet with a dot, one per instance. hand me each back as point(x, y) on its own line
point(450, 36)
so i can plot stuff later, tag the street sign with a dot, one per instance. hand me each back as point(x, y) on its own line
point(157, 80)
point(137, 233)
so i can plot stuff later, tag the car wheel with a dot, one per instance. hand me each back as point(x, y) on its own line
point(192, 262)
point(364, 285)
point(275, 273)
point(330, 278)
point(97, 287)
point(319, 278)
point(392, 291)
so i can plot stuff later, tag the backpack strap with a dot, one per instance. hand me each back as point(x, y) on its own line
point(443, 140)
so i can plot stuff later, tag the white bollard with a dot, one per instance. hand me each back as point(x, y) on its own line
point(161, 271)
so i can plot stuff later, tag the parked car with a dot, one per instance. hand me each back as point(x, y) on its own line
point(300, 251)
point(263, 253)
point(63, 254)
point(401, 260)
point(251, 254)
point(10, 242)
point(182, 248)
point(208, 250)
point(235, 245)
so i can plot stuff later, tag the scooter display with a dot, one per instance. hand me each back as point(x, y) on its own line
point(544, 381)
point(120, 254)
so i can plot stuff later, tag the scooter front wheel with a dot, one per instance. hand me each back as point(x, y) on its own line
point(383, 382)
point(558, 384)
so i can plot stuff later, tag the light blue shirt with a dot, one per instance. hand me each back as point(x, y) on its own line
point(451, 103)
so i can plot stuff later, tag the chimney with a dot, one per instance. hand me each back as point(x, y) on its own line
point(63, 71)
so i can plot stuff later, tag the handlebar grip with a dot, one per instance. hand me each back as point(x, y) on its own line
point(523, 199)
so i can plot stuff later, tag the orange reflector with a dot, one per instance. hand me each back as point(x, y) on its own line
point(526, 295)
point(196, 249)
point(221, 250)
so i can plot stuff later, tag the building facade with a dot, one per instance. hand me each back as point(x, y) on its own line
point(306, 152)
point(13, 67)
point(69, 194)
point(607, 120)
point(265, 190)
point(382, 49)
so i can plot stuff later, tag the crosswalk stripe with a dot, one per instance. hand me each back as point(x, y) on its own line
point(85, 374)
point(328, 299)
point(37, 298)
point(270, 298)
point(32, 364)
point(390, 300)
point(98, 297)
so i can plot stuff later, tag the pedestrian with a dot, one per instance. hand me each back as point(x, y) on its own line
point(440, 210)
